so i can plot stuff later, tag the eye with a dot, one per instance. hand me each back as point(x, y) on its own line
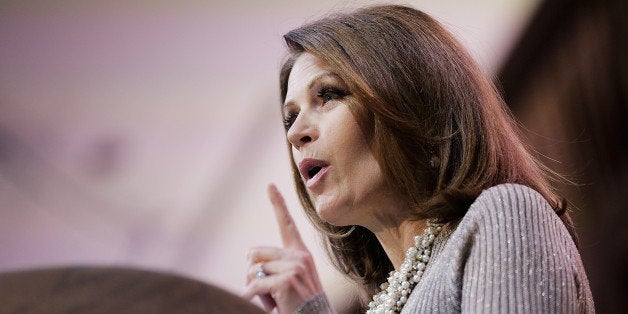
point(288, 120)
point(331, 93)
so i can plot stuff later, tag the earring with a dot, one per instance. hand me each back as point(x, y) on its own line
point(434, 162)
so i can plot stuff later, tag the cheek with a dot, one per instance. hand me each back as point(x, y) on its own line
point(362, 169)
point(367, 172)
point(346, 135)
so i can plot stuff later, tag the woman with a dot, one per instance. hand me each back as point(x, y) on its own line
point(408, 162)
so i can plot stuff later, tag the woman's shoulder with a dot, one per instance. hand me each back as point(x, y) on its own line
point(511, 191)
point(508, 208)
point(511, 200)
point(507, 254)
point(515, 230)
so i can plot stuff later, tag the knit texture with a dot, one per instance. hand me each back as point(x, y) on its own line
point(316, 304)
point(510, 253)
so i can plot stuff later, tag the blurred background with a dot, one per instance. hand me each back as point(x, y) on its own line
point(144, 133)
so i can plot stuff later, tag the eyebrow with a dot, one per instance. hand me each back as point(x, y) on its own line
point(312, 82)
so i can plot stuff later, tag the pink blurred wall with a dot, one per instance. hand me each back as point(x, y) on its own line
point(145, 133)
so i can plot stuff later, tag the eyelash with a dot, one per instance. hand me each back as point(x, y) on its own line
point(326, 93)
point(289, 120)
point(335, 93)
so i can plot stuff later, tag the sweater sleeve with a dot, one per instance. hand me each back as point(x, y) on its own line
point(522, 259)
point(318, 304)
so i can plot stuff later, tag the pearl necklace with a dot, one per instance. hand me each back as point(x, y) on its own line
point(400, 283)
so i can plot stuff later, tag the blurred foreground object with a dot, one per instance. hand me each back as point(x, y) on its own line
point(112, 290)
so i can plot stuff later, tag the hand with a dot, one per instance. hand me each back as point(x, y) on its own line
point(291, 277)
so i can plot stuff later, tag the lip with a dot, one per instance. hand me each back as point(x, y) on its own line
point(306, 165)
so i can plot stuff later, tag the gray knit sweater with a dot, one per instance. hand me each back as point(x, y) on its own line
point(510, 253)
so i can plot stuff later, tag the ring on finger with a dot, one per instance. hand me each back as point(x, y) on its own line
point(260, 272)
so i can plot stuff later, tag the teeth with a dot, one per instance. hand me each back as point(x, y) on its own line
point(314, 171)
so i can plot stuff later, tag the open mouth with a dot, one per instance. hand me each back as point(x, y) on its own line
point(312, 172)
point(309, 167)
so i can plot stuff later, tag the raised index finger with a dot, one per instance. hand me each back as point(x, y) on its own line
point(290, 235)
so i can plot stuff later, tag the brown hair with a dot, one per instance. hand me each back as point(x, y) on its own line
point(418, 94)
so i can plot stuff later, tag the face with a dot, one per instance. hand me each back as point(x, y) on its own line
point(341, 174)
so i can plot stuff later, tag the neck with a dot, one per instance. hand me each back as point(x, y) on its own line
point(398, 237)
point(391, 220)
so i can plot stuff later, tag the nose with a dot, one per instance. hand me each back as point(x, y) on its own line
point(302, 131)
